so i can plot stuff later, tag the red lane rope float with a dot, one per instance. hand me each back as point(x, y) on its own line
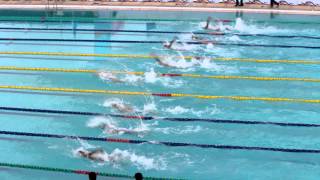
point(165, 143)
point(146, 118)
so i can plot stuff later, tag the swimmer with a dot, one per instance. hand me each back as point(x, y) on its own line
point(109, 76)
point(215, 28)
point(94, 155)
point(111, 129)
point(101, 156)
point(202, 40)
point(173, 41)
point(162, 61)
point(123, 108)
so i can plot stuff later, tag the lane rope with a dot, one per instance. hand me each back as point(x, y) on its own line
point(155, 42)
point(101, 20)
point(147, 118)
point(139, 56)
point(223, 77)
point(165, 143)
point(100, 91)
point(60, 44)
point(72, 171)
point(153, 32)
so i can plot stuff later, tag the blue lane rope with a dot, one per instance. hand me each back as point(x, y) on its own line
point(129, 21)
point(53, 44)
point(159, 32)
point(223, 121)
point(165, 143)
point(154, 42)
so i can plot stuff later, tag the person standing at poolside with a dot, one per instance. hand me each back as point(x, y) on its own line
point(272, 2)
point(239, 4)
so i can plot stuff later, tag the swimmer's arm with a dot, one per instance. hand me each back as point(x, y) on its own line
point(172, 42)
point(207, 24)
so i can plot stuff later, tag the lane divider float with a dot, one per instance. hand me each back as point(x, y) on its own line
point(155, 42)
point(165, 143)
point(99, 91)
point(139, 56)
point(223, 77)
point(72, 171)
point(149, 118)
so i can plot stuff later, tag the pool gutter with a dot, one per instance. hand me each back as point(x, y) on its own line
point(311, 11)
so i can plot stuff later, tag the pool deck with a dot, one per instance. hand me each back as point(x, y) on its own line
point(160, 6)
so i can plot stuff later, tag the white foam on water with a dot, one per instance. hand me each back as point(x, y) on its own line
point(186, 47)
point(221, 52)
point(210, 65)
point(99, 120)
point(149, 108)
point(233, 38)
point(208, 111)
point(243, 27)
point(182, 110)
point(176, 110)
point(180, 131)
point(85, 144)
point(131, 78)
point(222, 27)
point(152, 77)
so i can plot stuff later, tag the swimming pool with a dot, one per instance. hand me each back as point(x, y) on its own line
point(250, 110)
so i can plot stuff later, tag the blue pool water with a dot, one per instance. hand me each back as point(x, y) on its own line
point(160, 160)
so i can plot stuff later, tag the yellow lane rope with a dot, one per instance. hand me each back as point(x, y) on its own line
point(151, 56)
point(161, 74)
point(238, 98)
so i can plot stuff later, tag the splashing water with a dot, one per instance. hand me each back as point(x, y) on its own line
point(242, 27)
point(149, 108)
point(99, 120)
point(152, 77)
point(178, 62)
point(210, 65)
point(131, 78)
